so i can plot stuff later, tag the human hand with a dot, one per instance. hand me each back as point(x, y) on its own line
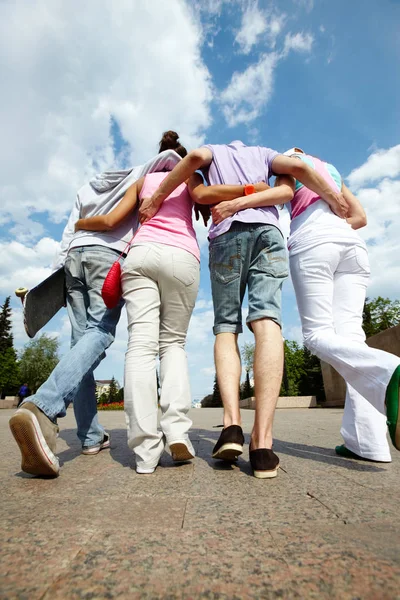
point(223, 210)
point(203, 210)
point(261, 187)
point(147, 210)
point(339, 205)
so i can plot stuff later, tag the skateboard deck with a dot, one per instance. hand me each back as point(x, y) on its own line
point(43, 301)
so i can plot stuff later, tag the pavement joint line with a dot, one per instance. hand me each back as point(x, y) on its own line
point(184, 513)
point(325, 506)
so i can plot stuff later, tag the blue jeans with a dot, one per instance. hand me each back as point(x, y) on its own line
point(93, 331)
point(252, 256)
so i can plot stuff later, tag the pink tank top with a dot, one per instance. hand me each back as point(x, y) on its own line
point(172, 224)
point(303, 197)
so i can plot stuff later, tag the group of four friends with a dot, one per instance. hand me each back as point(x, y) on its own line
point(160, 278)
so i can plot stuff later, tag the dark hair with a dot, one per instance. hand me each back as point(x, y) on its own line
point(170, 141)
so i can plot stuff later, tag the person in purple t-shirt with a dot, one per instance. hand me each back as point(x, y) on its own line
point(247, 250)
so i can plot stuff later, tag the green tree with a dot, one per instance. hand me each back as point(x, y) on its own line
point(112, 391)
point(103, 398)
point(380, 314)
point(37, 361)
point(311, 382)
point(9, 372)
point(217, 400)
point(212, 400)
point(293, 368)
point(207, 401)
point(121, 394)
point(246, 389)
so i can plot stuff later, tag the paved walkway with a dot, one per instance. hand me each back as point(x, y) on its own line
point(326, 527)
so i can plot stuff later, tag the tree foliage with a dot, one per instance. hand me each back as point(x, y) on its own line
point(37, 361)
point(380, 314)
point(9, 372)
point(6, 338)
point(213, 400)
point(112, 395)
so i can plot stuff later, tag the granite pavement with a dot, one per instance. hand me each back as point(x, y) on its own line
point(326, 527)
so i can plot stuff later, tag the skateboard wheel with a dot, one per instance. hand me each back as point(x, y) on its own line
point(21, 292)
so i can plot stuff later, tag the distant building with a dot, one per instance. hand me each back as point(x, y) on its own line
point(103, 386)
point(196, 403)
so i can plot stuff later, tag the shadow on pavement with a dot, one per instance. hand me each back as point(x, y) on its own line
point(204, 441)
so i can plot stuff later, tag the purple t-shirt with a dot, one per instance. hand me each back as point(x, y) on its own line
point(237, 164)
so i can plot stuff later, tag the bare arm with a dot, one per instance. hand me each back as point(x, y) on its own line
point(283, 192)
point(284, 165)
point(196, 159)
point(118, 214)
point(356, 215)
point(212, 194)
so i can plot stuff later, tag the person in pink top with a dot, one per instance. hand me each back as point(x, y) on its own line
point(160, 279)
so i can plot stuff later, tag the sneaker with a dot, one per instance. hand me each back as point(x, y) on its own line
point(144, 470)
point(230, 443)
point(392, 408)
point(264, 462)
point(346, 453)
point(182, 450)
point(36, 436)
point(91, 450)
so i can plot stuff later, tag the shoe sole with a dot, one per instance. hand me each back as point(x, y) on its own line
point(140, 471)
point(266, 474)
point(90, 452)
point(180, 452)
point(228, 452)
point(37, 458)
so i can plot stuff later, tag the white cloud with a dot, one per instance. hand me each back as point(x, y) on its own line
point(74, 67)
point(254, 24)
point(22, 266)
point(299, 42)
point(248, 92)
point(382, 205)
point(257, 26)
point(382, 163)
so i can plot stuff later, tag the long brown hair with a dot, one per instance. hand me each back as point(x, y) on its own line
point(170, 141)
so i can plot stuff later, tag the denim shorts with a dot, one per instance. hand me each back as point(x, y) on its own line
point(253, 256)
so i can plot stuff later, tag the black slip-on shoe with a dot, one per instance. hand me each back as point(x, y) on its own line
point(264, 462)
point(230, 443)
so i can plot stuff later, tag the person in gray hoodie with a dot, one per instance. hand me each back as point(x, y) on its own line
point(87, 257)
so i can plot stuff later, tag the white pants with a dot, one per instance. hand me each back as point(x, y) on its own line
point(159, 284)
point(330, 282)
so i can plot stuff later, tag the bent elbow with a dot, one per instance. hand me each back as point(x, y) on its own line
point(198, 156)
point(109, 223)
point(298, 169)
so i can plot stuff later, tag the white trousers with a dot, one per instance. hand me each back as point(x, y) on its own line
point(330, 281)
point(159, 284)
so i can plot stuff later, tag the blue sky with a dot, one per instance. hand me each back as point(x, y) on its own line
point(90, 88)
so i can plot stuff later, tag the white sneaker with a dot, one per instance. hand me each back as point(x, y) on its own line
point(181, 450)
point(144, 470)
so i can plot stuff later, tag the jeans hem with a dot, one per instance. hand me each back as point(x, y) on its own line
point(227, 329)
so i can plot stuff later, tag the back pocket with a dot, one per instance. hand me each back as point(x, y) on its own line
point(185, 270)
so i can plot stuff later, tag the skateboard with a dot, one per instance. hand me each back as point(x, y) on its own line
point(43, 301)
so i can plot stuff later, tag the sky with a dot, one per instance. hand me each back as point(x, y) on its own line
point(92, 85)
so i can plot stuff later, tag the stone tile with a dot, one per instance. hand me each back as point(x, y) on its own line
point(324, 528)
point(188, 564)
point(34, 557)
